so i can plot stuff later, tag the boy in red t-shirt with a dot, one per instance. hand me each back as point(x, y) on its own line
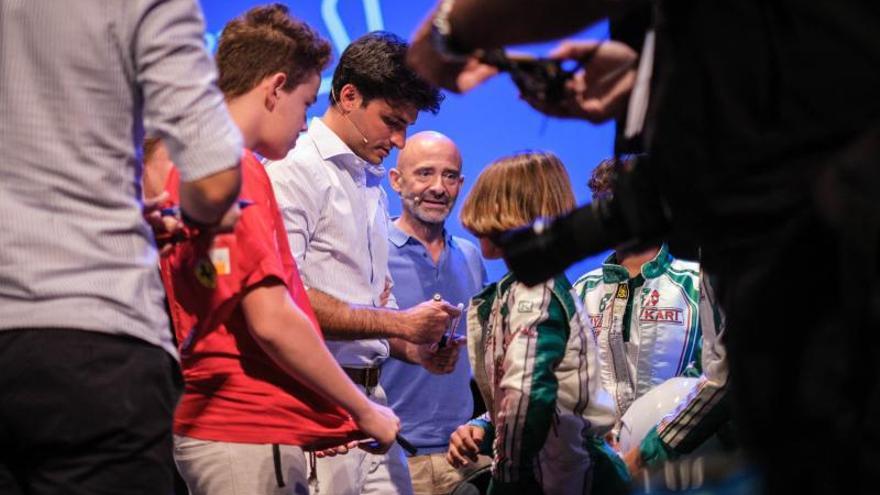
point(260, 383)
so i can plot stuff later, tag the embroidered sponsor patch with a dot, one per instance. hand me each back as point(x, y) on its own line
point(665, 315)
point(220, 259)
point(650, 297)
point(525, 307)
point(596, 322)
point(622, 292)
point(205, 273)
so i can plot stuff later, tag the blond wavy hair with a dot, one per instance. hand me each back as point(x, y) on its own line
point(514, 191)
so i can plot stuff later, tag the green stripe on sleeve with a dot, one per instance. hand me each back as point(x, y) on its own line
point(552, 335)
point(654, 451)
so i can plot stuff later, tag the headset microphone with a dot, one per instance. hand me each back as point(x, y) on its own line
point(363, 136)
point(415, 198)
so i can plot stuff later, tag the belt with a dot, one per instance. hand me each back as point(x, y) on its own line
point(365, 377)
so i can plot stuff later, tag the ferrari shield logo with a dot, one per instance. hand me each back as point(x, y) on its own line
point(206, 274)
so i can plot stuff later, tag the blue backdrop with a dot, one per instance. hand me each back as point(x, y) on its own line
point(487, 123)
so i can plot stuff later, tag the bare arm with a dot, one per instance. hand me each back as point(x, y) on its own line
point(523, 21)
point(421, 324)
point(208, 199)
point(287, 336)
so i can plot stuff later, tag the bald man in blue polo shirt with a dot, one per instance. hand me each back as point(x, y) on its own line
point(424, 260)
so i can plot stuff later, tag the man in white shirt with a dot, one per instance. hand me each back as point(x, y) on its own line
point(335, 213)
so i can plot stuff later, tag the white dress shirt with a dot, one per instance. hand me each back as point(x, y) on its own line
point(336, 216)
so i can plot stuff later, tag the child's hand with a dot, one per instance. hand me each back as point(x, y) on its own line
point(338, 450)
point(380, 423)
point(464, 445)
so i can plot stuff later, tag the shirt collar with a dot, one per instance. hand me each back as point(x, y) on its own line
point(399, 238)
point(395, 235)
point(330, 146)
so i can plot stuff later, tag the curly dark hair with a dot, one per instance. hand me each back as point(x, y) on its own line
point(375, 64)
point(603, 177)
point(264, 41)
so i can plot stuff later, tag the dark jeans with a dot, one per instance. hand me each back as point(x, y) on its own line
point(85, 413)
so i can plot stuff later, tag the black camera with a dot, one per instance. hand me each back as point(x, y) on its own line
point(634, 216)
point(538, 78)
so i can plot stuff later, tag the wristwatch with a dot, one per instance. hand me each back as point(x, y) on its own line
point(441, 35)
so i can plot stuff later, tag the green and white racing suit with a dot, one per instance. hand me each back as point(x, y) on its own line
point(705, 411)
point(647, 327)
point(534, 360)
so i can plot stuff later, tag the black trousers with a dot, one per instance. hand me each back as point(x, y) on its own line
point(85, 413)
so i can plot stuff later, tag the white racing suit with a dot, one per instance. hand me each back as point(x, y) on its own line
point(648, 327)
point(534, 360)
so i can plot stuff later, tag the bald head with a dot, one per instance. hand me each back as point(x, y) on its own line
point(428, 145)
point(427, 178)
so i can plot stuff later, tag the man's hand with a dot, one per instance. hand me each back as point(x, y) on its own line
point(440, 360)
point(456, 76)
point(380, 423)
point(164, 227)
point(427, 322)
point(600, 89)
point(464, 445)
point(386, 293)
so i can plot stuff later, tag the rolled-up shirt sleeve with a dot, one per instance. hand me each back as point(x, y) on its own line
point(178, 82)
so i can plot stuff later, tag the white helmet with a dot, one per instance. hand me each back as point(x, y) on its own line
point(646, 411)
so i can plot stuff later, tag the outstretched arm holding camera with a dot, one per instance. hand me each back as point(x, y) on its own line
point(443, 50)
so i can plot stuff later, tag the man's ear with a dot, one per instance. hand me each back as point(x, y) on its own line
point(394, 179)
point(274, 84)
point(349, 98)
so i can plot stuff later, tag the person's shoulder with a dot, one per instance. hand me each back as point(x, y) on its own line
point(253, 175)
point(251, 165)
point(302, 170)
point(304, 159)
point(552, 298)
point(589, 280)
point(685, 267)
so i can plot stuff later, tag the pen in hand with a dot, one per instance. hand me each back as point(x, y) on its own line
point(400, 439)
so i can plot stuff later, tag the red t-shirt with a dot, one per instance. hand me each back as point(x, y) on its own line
point(234, 391)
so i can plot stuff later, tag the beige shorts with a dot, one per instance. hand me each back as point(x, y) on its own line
point(225, 468)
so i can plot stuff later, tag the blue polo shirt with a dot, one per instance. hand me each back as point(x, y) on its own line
point(430, 406)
